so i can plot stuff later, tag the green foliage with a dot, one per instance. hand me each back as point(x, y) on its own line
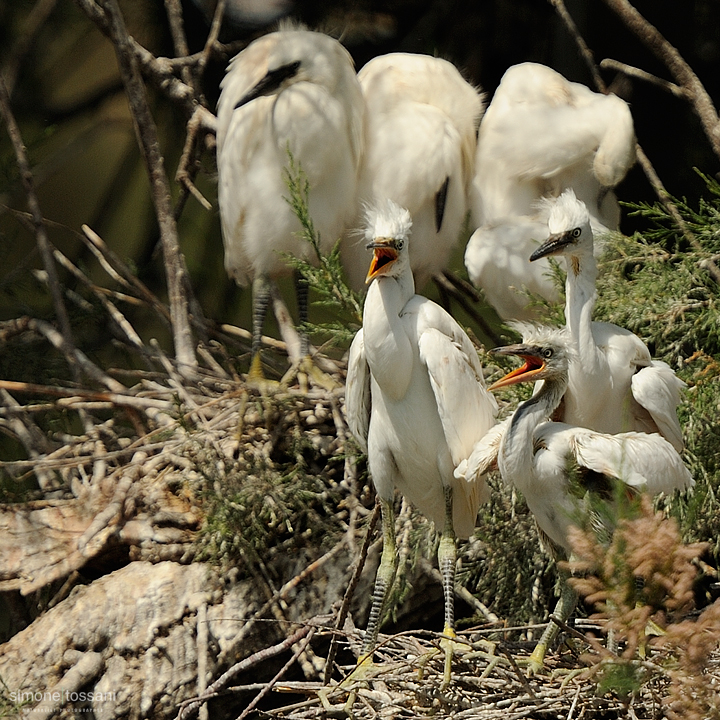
point(504, 565)
point(281, 495)
point(325, 278)
point(657, 285)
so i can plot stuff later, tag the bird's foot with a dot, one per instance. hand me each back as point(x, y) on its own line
point(360, 677)
point(308, 374)
point(449, 645)
point(535, 664)
point(256, 379)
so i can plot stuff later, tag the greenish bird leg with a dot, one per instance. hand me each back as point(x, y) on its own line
point(447, 562)
point(564, 608)
point(261, 291)
point(383, 581)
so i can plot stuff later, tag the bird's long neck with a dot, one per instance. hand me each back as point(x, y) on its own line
point(579, 305)
point(517, 451)
point(387, 346)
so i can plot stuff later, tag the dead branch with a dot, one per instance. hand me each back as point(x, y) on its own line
point(684, 75)
point(630, 71)
point(623, 9)
point(146, 130)
point(161, 71)
point(188, 709)
point(41, 237)
point(24, 40)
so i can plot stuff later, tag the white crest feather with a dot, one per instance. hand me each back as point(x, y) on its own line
point(387, 219)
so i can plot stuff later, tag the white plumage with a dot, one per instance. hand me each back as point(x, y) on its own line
point(290, 91)
point(540, 135)
point(422, 119)
point(614, 384)
point(416, 402)
point(537, 455)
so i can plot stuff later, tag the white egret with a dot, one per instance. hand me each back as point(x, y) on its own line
point(292, 91)
point(538, 456)
point(416, 403)
point(421, 129)
point(614, 384)
point(540, 135)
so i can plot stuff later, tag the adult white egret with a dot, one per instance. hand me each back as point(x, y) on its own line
point(422, 120)
point(416, 403)
point(614, 384)
point(289, 92)
point(539, 135)
point(538, 456)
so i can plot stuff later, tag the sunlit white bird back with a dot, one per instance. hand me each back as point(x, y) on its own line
point(422, 120)
point(540, 135)
point(290, 91)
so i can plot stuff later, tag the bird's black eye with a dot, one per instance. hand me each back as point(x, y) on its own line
point(399, 245)
point(576, 232)
point(548, 353)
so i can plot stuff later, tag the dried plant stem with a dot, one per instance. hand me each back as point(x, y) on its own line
point(675, 63)
point(630, 71)
point(146, 131)
point(189, 709)
point(689, 84)
point(41, 237)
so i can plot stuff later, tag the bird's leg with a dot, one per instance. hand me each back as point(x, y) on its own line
point(261, 290)
point(563, 610)
point(383, 581)
point(302, 292)
point(447, 562)
point(303, 367)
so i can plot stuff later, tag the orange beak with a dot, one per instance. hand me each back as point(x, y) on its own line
point(384, 255)
point(533, 366)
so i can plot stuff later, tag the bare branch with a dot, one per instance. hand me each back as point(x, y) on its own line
point(643, 160)
point(24, 40)
point(630, 71)
point(146, 131)
point(41, 237)
point(679, 69)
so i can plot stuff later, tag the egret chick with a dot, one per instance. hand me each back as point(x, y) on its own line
point(537, 455)
point(614, 384)
point(417, 404)
point(290, 92)
point(422, 120)
point(540, 135)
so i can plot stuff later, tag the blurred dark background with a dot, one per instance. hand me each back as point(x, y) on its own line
point(71, 107)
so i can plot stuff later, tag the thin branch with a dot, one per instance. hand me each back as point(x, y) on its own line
point(349, 592)
point(146, 131)
point(622, 8)
point(24, 40)
point(189, 709)
point(684, 75)
point(159, 70)
point(66, 343)
point(585, 51)
point(638, 74)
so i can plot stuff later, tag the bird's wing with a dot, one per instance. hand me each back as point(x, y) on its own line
point(657, 389)
point(645, 461)
point(357, 391)
point(485, 453)
point(467, 410)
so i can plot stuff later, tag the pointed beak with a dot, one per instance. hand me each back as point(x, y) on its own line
point(553, 245)
point(384, 255)
point(270, 83)
point(533, 365)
